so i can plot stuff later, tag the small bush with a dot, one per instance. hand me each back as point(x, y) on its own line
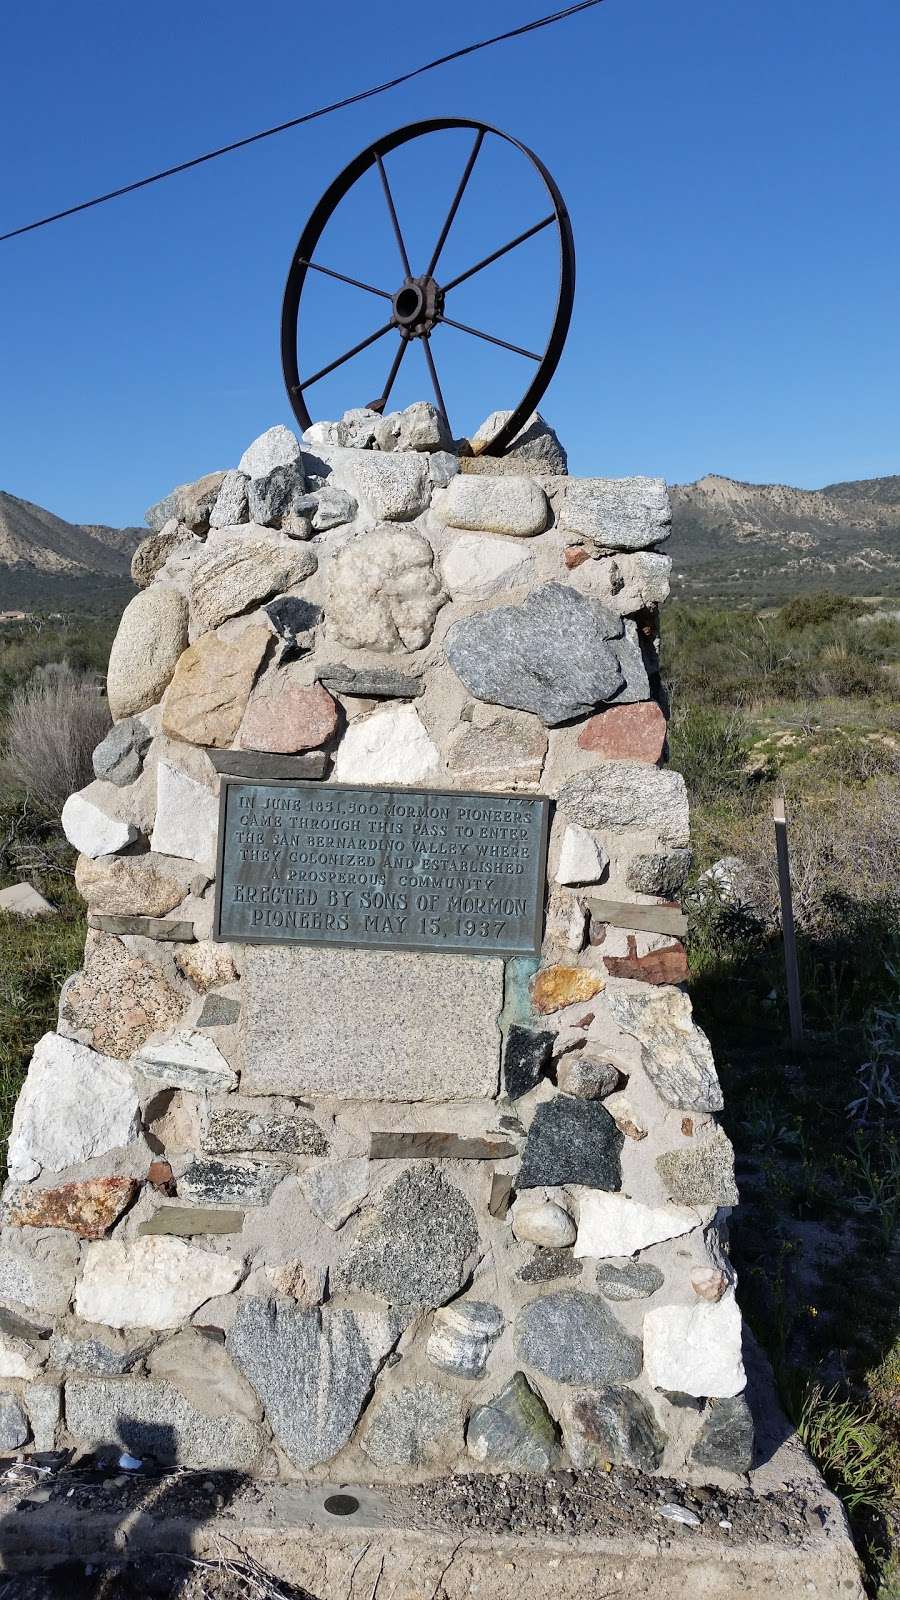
point(49, 734)
point(811, 610)
point(710, 750)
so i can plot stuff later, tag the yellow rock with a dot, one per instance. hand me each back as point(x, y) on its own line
point(556, 987)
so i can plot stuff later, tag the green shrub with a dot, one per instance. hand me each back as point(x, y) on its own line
point(710, 750)
point(811, 610)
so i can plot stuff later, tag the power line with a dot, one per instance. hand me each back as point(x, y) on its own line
point(309, 116)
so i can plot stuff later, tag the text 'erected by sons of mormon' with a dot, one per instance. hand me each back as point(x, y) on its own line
point(392, 868)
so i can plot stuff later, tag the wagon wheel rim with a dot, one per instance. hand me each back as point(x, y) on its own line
point(419, 305)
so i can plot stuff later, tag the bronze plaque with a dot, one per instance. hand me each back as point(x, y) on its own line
point(393, 869)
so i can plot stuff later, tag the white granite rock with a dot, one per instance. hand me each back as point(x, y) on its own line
point(38, 1272)
point(74, 1104)
point(384, 592)
point(151, 636)
point(187, 817)
point(21, 900)
point(625, 582)
point(493, 505)
point(613, 1225)
point(387, 488)
point(231, 502)
point(619, 795)
point(419, 427)
point(235, 573)
point(695, 1349)
point(582, 858)
point(477, 564)
point(542, 1222)
point(186, 1060)
point(676, 1054)
point(390, 746)
point(333, 1190)
point(155, 1282)
point(90, 829)
point(277, 447)
point(22, 1351)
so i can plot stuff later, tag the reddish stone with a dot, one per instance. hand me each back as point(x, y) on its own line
point(687, 1127)
point(668, 965)
point(284, 717)
point(160, 1174)
point(626, 733)
point(88, 1209)
point(574, 554)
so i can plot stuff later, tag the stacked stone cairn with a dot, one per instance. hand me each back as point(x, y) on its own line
point(355, 1213)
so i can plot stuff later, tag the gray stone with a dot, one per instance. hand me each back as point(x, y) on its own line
point(95, 1356)
point(153, 552)
point(462, 1337)
point(292, 620)
point(527, 1056)
point(726, 1436)
point(702, 1174)
point(421, 1027)
point(663, 875)
point(161, 928)
point(13, 1424)
point(375, 683)
point(572, 1337)
point(333, 1190)
point(232, 506)
point(276, 498)
point(39, 1275)
point(219, 1011)
point(505, 753)
point(387, 488)
point(442, 466)
point(238, 573)
point(535, 448)
point(277, 447)
point(419, 427)
point(332, 1357)
point(23, 1348)
point(587, 1076)
point(618, 795)
point(119, 758)
point(676, 1054)
point(151, 1418)
point(414, 1426)
point(511, 505)
point(384, 591)
point(438, 1145)
point(417, 1246)
point(261, 765)
point(230, 1183)
point(240, 1125)
point(188, 1222)
point(615, 1427)
point(636, 662)
point(190, 503)
point(514, 1430)
point(333, 507)
point(43, 1402)
point(617, 513)
point(152, 634)
point(546, 1266)
point(572, 1141)
point(635, 1281)
point(550, 656)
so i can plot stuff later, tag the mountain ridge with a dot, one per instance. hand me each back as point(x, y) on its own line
point(49, 563)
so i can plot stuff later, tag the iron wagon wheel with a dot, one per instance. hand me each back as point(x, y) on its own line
point(420, 303)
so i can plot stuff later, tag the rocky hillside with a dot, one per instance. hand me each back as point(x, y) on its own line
point(47, 563)
point(763, 542)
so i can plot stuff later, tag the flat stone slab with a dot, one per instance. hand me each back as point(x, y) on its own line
point(370, 1025)
point(262, 764)
point(166, 928)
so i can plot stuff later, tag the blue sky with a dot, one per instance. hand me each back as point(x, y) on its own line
point(731, 170)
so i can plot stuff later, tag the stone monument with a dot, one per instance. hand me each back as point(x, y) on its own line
point(376, 1138)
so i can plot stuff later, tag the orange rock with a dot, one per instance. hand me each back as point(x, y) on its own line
point(574, 554)
point(626, 733)
point(89, 1208)
point(556, 987)
point(668, 965)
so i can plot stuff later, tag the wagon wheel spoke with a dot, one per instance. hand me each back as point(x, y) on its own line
point(489, 337)
point(379, 404)
point(342, 277)
point(393, 213)
point(496, 254)
point(451, 214)
point(347, 356)
point(435, 381)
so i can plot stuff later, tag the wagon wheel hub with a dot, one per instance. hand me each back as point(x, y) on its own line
point(418, 306)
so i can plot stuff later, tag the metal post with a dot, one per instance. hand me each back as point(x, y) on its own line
point(795, 1008)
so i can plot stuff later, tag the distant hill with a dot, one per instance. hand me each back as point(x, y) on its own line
point(763, 542)
point(48, 564)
